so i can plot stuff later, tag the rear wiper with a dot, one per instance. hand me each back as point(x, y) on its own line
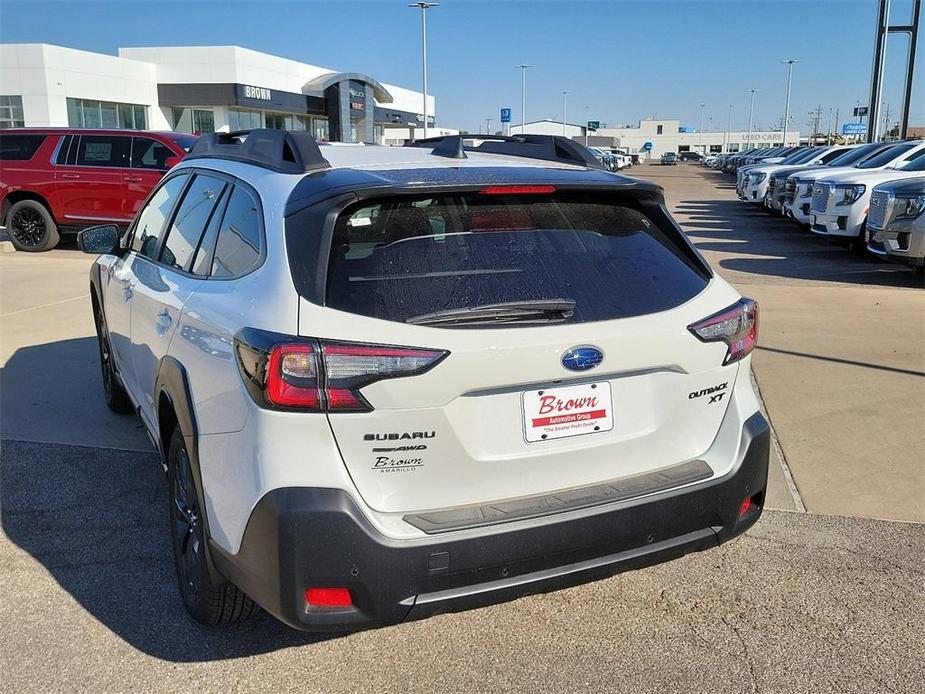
point(536, 311)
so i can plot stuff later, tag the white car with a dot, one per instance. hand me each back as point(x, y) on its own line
point(840, 201)
point(389, 382)
point(896, 221)
point(799, 186)
point(754, 180)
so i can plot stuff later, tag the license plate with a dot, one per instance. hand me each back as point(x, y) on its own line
point(557, 413)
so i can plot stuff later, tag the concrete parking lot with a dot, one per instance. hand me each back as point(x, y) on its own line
point(831, 600)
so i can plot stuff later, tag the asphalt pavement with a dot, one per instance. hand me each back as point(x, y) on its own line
point(804, 602)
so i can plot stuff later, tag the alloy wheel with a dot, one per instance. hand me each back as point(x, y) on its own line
point(28, 227)
point(187, 526)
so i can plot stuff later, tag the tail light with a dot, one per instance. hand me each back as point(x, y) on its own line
point(321, 376)
point(736, 325)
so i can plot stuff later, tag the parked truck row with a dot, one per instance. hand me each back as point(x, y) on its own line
point(867, 197)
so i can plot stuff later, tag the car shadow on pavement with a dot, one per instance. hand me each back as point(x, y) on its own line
point(765, 245)
point(96, 520)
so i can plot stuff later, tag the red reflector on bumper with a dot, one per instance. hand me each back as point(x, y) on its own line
point(327, 597)
point(745, 507)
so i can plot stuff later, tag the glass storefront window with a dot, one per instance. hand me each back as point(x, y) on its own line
point(11, 115)
point(193, 120)
point(89, 113)
point(320, 129)
point(286, 121)
point(241, 119)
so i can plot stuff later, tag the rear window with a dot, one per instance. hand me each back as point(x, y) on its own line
point(19, 147)
point(402, 259)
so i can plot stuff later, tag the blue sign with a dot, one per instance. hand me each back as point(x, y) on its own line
point(646, 146)
point(853, 128)
point(505, 115)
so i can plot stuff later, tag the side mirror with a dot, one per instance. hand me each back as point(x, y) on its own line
point(171, 162)
point(99, 240)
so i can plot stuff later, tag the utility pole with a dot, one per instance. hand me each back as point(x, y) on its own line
point(836, 123)
point(523, 97)
point(424, 6)
point(818, 120)
point(700, 131)
point(564, 106)
point(728, 131)
point(789, 62)
point(751, 112)
point(488, 126)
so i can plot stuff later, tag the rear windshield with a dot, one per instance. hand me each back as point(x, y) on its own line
point(403, 259)
point(19, 147)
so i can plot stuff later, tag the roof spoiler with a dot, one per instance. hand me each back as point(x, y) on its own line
point(278, 150)
point(546, 147)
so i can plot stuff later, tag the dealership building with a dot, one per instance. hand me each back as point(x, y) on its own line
point(662, 136)
point(201, 89)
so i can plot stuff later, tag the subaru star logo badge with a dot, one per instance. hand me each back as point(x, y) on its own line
point(582, 358)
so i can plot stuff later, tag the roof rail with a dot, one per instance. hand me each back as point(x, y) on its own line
point(278, 150)
point(546, 147)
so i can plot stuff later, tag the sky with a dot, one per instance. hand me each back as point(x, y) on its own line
point(619, 60)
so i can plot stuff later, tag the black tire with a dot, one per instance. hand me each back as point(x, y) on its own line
point(207, 601)
point(31, 226)
point(114, 393)
point(858, 245)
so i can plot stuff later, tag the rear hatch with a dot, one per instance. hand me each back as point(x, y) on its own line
point(558, 325)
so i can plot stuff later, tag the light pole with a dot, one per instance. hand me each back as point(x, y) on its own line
point(587, 120)
point(564, 106)
point(751, 112)
point(488, 126)
point(728, 130)
point(424, 6)
point(523, 97)
point(789, 62)
point(700, 131)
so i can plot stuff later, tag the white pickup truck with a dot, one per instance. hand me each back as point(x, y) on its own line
point(840, 201)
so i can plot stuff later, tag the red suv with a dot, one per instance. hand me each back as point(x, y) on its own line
point(55, 181)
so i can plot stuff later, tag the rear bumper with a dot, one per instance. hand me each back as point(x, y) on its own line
point(310, 537)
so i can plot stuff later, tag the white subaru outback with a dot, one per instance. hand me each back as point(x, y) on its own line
point(391, 382)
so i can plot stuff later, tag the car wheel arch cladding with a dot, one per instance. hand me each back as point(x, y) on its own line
point(172, 384)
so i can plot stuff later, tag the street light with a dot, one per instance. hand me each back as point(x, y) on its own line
point(587, 120)
point(564, 106)
point(728, 130)
point(523, 97)
point(424, 6)
point(751, 111)
point(789, 62)
point(700, 130)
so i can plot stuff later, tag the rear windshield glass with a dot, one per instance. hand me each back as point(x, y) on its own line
point(588, 258)
point(19, 147)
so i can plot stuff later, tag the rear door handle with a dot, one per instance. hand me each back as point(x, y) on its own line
point(70, 175)
point(133, 179)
